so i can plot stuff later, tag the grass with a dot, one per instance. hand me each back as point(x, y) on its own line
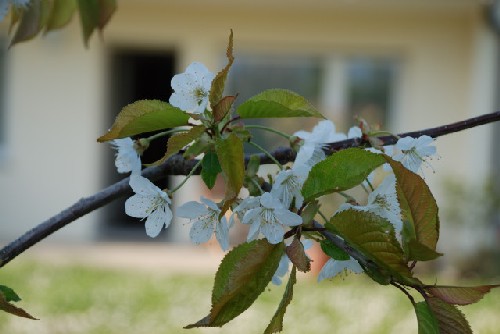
point(80, 299)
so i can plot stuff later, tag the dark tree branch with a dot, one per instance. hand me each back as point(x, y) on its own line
point(176, 165)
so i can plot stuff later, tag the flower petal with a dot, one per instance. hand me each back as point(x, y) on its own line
point(211, 204)
point(201, 231)
point(273, 232)
point(191, 210)
point(142, 186)
point(268, 201)
point(252, 215)
point(222, 234)
point(333, 267)
point(287, 217)
point(405, 143)
point(353, 266)
point(283, 267)
point(160, 217)
point(138, 206)
point(424, 141)
point(253, 232)
point(354, 132)
point(330, 269)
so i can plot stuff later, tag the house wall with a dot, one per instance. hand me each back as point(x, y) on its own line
point(56, 96)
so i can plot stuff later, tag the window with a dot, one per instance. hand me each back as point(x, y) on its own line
point(134, 75)
point(370, 88)
point(341, 87)
point(251, 75)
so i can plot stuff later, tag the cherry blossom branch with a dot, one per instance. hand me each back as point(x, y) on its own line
point(176, 165)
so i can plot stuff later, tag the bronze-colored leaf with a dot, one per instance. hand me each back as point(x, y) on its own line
point(297, 255)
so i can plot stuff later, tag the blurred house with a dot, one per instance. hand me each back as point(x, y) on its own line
point(406, 65)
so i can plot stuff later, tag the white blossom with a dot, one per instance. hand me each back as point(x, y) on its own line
point(127, 158)
point(415, 151)
point(288, 185)
point(191, 89)
point(205, 219)
point(248, 203)
point(383, 202)
point(149, 202)
point(311, 151)
point(309, 155)
point(334, 267)
point(270, 218)
point(283, 268)
point(354, 132)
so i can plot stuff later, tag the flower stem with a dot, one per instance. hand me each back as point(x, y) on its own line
point(229, 122)
point(257, 185)
point(323, 216)
point(164, 133)
point(365, 188)
point(261, 127)
point(400, 287)
point(370, 184)
point(266, 153)
point(349, 198)
point(198, 164)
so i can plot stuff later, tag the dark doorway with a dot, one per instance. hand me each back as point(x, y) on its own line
point(134, 75)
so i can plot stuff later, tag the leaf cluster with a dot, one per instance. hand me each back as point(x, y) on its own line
point(49, 15)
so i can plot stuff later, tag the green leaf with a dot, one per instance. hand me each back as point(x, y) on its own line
point(62, 12)
point(297, 256)
point(333, 251)
point(210, 169)
point(427, 323)
point(145, 116)
point(277, 103)
point(276, 324)
point(340, 171)
point(242, 276)
point(32, 20)
point(219, 82)
point(419, 211)
point(16, 14)
point(10, 308)
point(94, 14)
point(231, 158)
point(374, 237)
point(200, 145)
point(180, 140)
point(310, 212)
point(459, 295)
point(9, 294)
point(419, 252)
point(450, 319)
point(253, 165)
point(241, 132)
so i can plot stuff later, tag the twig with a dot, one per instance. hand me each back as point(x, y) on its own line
point(176, 165)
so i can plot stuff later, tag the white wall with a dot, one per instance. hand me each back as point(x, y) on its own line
point(54, 102)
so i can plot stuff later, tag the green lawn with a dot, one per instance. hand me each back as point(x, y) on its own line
point(80, 299)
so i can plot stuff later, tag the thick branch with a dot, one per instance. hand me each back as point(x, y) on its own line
point(176, 165)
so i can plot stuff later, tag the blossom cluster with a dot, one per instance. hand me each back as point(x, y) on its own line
point(273, 212)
